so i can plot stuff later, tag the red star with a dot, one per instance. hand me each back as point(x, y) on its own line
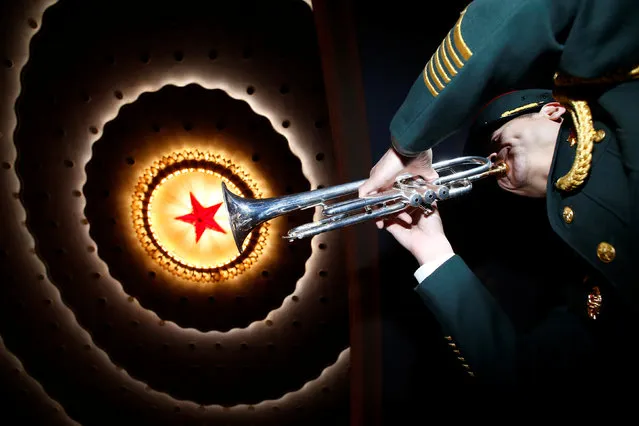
point(202, 218)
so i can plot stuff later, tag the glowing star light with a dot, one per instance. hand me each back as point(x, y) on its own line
point(159, 213)
point(202, 218)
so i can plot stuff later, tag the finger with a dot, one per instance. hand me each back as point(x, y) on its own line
point(406, 217)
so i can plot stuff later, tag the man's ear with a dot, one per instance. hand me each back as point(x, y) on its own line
point(553, 110)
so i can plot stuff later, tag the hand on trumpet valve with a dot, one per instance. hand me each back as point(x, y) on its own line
point(384, 174)
point(421, 232)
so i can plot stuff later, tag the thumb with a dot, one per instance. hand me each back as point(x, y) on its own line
point(372, 184)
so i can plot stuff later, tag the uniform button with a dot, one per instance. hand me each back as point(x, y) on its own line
point(606, 252)
point(568, 214)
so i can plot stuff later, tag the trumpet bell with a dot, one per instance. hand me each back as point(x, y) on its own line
point(241, 215)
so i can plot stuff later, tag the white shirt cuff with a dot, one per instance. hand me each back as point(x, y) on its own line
point(428, 268)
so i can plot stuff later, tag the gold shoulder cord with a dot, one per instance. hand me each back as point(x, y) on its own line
point(582, 119)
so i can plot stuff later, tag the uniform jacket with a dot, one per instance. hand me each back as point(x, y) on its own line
point(501, 45)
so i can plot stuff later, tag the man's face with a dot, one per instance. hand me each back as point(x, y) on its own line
point(526, 144)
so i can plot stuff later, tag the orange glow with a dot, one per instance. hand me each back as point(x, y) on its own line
point(171, 199)
point(163, 193)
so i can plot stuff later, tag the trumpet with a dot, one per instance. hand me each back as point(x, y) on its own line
point(456, 177)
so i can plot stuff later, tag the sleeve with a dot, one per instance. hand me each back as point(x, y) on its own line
point(502, 45)
point(429, 267)
point(484, 339)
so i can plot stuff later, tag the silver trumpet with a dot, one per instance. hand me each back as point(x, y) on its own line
point(456, 177)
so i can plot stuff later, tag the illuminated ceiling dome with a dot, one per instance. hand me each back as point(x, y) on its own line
point(96, 103)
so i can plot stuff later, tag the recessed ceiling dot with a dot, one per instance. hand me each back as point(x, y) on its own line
point(268, 323)
point(84, 221)
point(295, 299)
point(286, 124)
point(162, 323)
point(213, 54)
point(320, 186)
point(76, 193)
point(218, 345)
point(130, 161)
point(192, 346)
point(32, 23)
point(323, 273)
point(8, 63)
point(256, 157)
point(323, 299)
point(296, 323)
point(322, 246)
point(90, 249)
point(319, 156)
point(152, 274)
point(68, 163)
point(244, 346)
point(145, 58)
point(86, 97)
point(102, 301)
point(188, 126)
point(40, 277)
point(211, 299)
point(118, 94)
point(130, 299)
point(250, 90)
point(93, 130)
point(265, 273)
point(6, 165)
point(220, 125)
point(184, 299)
point(48, 302)
point(178, 56)
point(284, 89)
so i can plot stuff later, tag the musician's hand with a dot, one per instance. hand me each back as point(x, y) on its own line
point(421, 234)
point(391, 165)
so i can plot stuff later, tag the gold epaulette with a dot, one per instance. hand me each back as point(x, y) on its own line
point(581, 115)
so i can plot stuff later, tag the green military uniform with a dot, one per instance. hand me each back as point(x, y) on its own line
point(586, 52)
